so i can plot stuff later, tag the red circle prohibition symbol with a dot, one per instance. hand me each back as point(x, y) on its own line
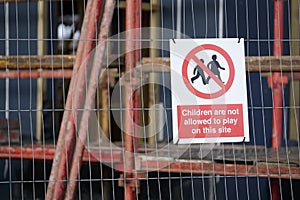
point(192, 56)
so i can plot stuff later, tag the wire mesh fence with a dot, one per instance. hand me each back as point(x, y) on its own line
point(86, 100)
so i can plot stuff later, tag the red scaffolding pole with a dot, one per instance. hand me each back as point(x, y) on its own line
point(133, 14)
point(90, 97)
point(66, 137)
point(276, 82)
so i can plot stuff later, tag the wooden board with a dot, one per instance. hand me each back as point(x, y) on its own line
point(253, 64)
point(286, 64)
point(43, 62)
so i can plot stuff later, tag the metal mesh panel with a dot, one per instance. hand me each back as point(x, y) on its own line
point(85, 100)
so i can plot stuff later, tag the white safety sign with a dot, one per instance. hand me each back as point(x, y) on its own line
point(209, 93)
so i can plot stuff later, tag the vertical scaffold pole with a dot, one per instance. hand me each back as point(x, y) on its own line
point(133, 14)
point(277, 82)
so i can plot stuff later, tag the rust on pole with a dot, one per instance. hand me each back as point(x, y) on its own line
point(90, 98)
point(65, 62)
point(36, 74)
point(277, 81)
point(133, 15)
point(136, 94)
point(79, 81)
point(67, 129)
point(254, 64)
point(261, 167)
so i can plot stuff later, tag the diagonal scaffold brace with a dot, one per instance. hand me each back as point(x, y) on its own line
point(90, 98)
point(67, 155)
point(66, 139)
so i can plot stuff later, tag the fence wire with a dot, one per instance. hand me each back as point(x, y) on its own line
point(86, 107)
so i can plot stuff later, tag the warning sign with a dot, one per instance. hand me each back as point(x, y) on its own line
point(212, 71)
point(209, 96)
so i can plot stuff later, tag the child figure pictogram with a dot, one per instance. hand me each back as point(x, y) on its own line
point(214, 67)
point(198, 71)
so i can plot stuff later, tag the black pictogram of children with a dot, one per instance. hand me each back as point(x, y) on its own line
point(198, 71)
point(214, 67)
